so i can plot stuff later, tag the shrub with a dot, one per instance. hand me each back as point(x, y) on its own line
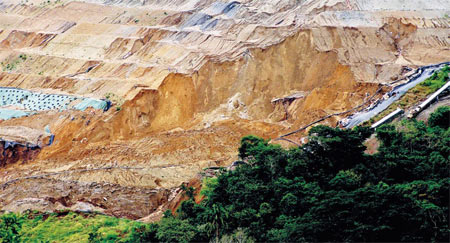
point(440, 118)
point(175, 230)
point(10, 226)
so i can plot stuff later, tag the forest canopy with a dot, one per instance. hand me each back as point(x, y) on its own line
point(331, 190)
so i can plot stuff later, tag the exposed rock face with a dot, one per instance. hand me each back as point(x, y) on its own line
point(196, 75)
point(12, 152)
point(21, 144)
point(50, 194)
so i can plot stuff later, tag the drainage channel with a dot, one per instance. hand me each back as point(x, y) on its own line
point(418, 77)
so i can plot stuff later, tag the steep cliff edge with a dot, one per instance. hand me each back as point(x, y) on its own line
point(195, 76)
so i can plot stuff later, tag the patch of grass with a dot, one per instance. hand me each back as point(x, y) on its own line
point(115, 99)
point(23, 57)
point(416, 94)
point(46, 3)
point(208, 186)
point(12, 65)
point(73, 227)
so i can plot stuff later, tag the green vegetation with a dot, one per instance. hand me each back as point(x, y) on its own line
point(416, 94)
point(12, 65)
point(68, 227)
point(330, 190)
point(23, 57)
point(441, 117)
point(115, 99)
point(326, 190)
point(46, 3)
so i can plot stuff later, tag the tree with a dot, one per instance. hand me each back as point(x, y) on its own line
point(188, 191)
point(440, 118)
point(330, 190)
point(145, 233)
point(217, 216)
point(239, 236)
point(175, 230)
point(10, 226)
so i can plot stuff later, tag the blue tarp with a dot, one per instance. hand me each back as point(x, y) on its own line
point(6, 114)
point(94, 103)
point(33, 101)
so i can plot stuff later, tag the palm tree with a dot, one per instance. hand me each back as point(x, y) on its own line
point(217, 216)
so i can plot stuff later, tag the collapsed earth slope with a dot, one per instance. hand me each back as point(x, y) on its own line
point(187, 79)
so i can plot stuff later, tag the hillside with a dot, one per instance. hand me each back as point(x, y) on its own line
point(187, 79)
point(328, 190)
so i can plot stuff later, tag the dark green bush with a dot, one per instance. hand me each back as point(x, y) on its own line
point(10, 226)
point(440, 118)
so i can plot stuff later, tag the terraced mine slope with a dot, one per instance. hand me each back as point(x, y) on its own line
point(187, 79)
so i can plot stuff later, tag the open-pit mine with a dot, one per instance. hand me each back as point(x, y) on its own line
point(110, 105)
